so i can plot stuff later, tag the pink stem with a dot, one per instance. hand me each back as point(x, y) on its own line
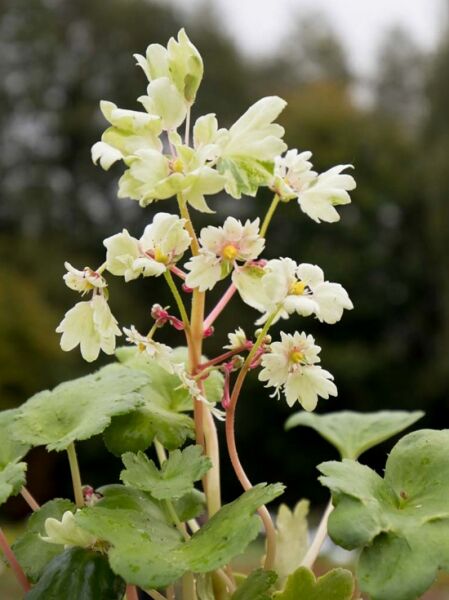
point(177, 271)
point(220, 306)
point(14, 563)
point(221, 358)
point(131, 592)
point(29, 499)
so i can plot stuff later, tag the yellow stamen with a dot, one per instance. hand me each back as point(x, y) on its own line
point(229, 252)
point(298, 288)
point(177, 166)
point(296, 356)
point(160, 256)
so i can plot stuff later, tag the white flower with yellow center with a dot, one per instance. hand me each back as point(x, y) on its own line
point(83, 281)
point(284, 287)
point(237, 340)
point(162, 244)
point(91, 325)
point(160, 353)
point(152, 176)
point(291, 367)
point(221, 249)
point(67, 532)
point(317, 194)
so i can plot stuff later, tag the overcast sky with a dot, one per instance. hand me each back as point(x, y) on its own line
point(259, 25)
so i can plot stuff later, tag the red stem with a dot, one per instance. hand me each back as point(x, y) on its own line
point(221, 358)
point(131, 592)
point(239, 470)
point(14, 563)
point(29, 499)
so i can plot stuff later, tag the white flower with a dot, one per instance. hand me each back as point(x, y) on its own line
point(284, 286)
point(67, 532)
point(221, 248)
point(180, 62)
point(153, 176)
point(247, 151)
point(237, 339)
point(162, 244)
point(254, 135)
point(317, 194)
point(291, 367)
point(130, 131)
point(160, 353)
point(83, 281)
point(292, 173)
point(91, 325)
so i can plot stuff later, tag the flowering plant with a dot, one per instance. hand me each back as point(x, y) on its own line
point(163, 529)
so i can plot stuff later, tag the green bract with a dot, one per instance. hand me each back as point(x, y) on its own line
point(354, 433)
point(174, 479)
point(337, 584)
point(12, 471)
point(180, 62)
point(292, 538)
point(31, 551)
point(401, 521)
point(147, 551)
point(79, 409)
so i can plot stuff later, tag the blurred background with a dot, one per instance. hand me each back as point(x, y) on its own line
point(367, 86)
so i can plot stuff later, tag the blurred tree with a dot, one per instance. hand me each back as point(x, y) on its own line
point(400, 83)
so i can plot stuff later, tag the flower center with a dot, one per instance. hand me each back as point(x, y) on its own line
point(229, 252)
point(296, 356)
point(160, 256)
point(297, 289)
point(177, 165)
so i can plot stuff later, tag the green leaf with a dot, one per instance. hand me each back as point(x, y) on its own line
point(12, 471)
point(190, 505)
point(256, 585)
point(11, 450)
point(136, 431)
point(245, 175)
point(337, 584)
point(148, 552)
point(12, 478)
point(174, 479)
point(164, 402)
point(401, 522)
point(32, 553)
point(79, 409)
point(292, 538)
point(353, 433)
point(76, 574)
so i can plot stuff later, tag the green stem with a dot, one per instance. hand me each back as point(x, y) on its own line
point(232, 447)
point(155, 595)
point(320, 536)
point(269, 215)
point(177, 296)
point(76, 477)
point(188, 587)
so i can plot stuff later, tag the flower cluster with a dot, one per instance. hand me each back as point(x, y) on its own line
point(160, 163)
